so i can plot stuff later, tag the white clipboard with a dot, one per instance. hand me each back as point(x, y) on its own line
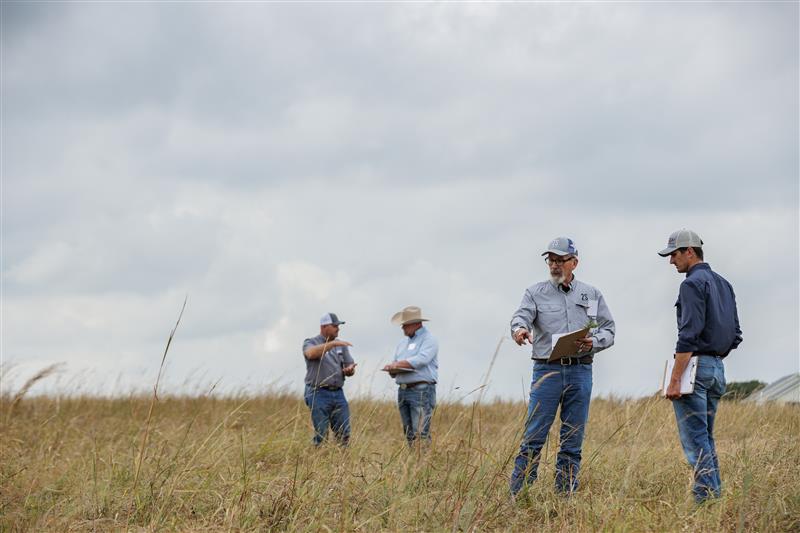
point(687, 379)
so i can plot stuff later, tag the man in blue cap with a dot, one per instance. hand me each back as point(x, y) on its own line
point(328, 362)
point(708, 327)
point(559, 305)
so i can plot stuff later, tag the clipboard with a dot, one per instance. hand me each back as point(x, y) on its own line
point(564, 344)
point(687, 379)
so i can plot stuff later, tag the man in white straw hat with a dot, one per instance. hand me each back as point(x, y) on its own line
point(562, 304)
point(415, 368)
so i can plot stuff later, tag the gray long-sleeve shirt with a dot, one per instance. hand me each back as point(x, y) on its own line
point(547, 309)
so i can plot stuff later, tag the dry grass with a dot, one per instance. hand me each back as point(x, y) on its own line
point(247, 464)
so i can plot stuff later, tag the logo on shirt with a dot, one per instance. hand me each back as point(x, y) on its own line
point(584, 297)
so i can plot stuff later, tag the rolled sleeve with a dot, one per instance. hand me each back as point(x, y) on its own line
point(427, 351)
point(692, 317)
point(603, 337)
point(308, 343)
point(525, 315)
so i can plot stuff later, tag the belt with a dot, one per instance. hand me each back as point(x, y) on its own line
point(585, 360)
point(710, 354)
point(569, 361)
point(414, 384)
point(328, 387)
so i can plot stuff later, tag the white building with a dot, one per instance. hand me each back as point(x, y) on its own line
point(785, 390)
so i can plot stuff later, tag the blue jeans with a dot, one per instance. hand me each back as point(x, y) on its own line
point(695, 415)
point(328, 408)
point(553, 385)
point(416, 409)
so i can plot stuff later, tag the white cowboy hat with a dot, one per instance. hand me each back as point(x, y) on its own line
point(408, 315)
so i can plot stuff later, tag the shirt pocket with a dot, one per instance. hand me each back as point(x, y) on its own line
point(582, 307)
point(550, 317)
point(338, 355)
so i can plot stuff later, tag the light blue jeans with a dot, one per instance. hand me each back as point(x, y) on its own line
point(695, 414)
point(328, 408)
point(416, 406)
point(553, 385)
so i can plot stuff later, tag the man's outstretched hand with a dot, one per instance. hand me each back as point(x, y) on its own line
point(522, 336)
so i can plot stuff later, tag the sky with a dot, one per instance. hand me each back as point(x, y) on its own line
point(272, 162)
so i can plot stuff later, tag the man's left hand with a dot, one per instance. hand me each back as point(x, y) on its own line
point(349, 370)
point(585, 344)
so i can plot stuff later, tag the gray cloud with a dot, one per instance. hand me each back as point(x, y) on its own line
point(276, 162)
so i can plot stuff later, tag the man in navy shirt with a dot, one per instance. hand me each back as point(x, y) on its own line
point(708, 327)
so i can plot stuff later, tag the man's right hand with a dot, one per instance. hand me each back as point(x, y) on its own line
point(522, 336)
point(338, 342)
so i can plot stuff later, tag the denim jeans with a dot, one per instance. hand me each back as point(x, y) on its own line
point(695, 415)
point(328, 408)
point(416, 409)
point(553, 385)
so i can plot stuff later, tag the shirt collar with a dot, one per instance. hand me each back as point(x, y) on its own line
point(698, 267)
point(417, 333)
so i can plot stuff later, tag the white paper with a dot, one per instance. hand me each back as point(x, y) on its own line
point(687, 379)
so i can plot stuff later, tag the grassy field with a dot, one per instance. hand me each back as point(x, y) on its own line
point(210, 464)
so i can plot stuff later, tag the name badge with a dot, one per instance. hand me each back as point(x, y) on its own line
point(592, 310)
point(412, 346)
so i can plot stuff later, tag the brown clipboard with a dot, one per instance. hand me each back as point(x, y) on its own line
point(565, 346)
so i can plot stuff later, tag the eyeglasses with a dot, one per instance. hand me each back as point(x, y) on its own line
point(558, 262)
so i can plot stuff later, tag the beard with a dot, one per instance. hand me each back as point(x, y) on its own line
point(558, 279)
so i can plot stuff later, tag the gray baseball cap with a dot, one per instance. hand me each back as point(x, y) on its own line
point(683, 238)
point(561, 246)
point(330, 318)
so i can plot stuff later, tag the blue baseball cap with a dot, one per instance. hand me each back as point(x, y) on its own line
point(561, 246)
point(330, 318)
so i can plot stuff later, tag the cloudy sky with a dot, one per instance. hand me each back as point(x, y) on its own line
point(277, 161)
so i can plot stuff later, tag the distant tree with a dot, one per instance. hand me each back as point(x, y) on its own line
point(739, 390)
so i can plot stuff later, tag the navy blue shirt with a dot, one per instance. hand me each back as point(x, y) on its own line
point(707, 319)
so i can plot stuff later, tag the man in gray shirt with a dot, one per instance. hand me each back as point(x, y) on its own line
point(328, 361)
point(559, 305)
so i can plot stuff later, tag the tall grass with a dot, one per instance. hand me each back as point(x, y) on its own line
point(246, 464)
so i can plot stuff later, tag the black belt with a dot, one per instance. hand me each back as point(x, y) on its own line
point(710, 354)
point(585, 360)
point(328, 387)
point(414, 384)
